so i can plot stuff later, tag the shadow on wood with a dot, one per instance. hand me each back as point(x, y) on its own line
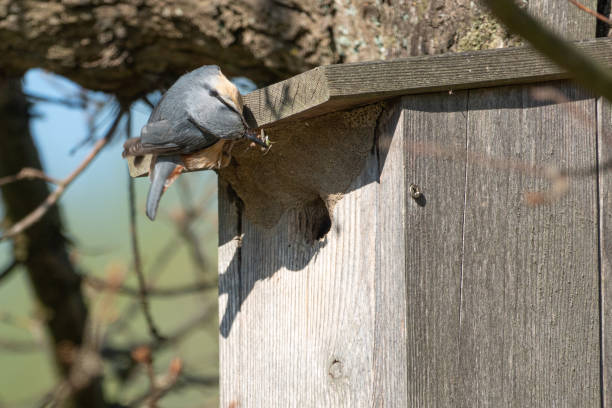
point(297, 204)
point(291, 192)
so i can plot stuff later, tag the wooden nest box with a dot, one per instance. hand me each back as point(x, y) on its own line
point(382, 253)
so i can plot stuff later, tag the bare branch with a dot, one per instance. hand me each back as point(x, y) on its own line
point(164, 383)
point(142, 284)
point(16, 346)
point(92, 126)
point(592, 12)
point(28, 173)
point(101, 284)
point(159, 386)
point(52, 198)
point(184, 219)
point(165, 255)
point(80, 103)
point(86, 360)
point(7, 270)
point(209, 381)
point(184, 380)
point(585, 70)
point(148, 101)
point(175, 337)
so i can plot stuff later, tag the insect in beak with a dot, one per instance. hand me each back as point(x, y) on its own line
point(253, 138)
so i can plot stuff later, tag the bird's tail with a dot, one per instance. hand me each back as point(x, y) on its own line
point(164, 172)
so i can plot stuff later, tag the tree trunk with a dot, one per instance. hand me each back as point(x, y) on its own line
point(134, 46)
point(41, 248)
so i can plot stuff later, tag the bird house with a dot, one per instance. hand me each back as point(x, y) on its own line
point(410, 239)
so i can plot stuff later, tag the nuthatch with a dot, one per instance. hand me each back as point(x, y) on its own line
point(194, 120)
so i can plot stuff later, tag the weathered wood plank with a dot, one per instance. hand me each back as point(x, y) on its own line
point(326, 322)
point(229, 252)
point(306, 322)
point(300, 93)
point(604, 144)
point(567, 20)
point(336, 87)
point(390, 351)
point(433, 229)
point(500, 300)
point(529, 311)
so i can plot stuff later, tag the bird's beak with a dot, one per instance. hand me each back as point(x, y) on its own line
point(253, 138)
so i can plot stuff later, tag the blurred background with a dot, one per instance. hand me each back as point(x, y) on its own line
point(178, 251)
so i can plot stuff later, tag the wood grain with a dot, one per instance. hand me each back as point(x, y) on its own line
point(336, 87)
point(325, 321)
point(604, 143)
point(305, 327)
point(230, 242)
point(465, 297)
point(433, 227)
point(529, 325)
point(565, 19)
point(390, 352)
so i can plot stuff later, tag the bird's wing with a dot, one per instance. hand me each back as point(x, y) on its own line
point(157, 134)
point(164, 137)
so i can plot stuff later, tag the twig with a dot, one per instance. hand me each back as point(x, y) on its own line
point(183, 380)
point(584, 69)
point(188, 326)
point(165, 383)
point(162, 258)
point(17, 346)
point(148, 101)
point(551, 93)
point(28, 173)
point(159, 386)
point(184, 218)
point(86, 360)
point(142, 284)
point(52, 198)
point(199, 380)
point(592, 12)
point(559, 179)
point(184, 330)
point(7, 270)
point(70, 103)
point(30, 324)
point(91, 122)
point(101, 284)
point(175, 337)
point(124, 356)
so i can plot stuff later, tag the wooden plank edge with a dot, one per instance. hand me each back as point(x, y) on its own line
point(139, 167)
point(354, 84)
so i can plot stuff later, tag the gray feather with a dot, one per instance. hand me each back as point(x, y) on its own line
point(190, 117)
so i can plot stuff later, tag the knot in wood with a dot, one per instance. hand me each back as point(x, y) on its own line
point(335, 369)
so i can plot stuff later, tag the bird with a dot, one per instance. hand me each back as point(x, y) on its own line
point(196, 120)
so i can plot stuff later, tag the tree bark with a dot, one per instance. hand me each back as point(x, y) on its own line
point(131, 47)
point(42, 247)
